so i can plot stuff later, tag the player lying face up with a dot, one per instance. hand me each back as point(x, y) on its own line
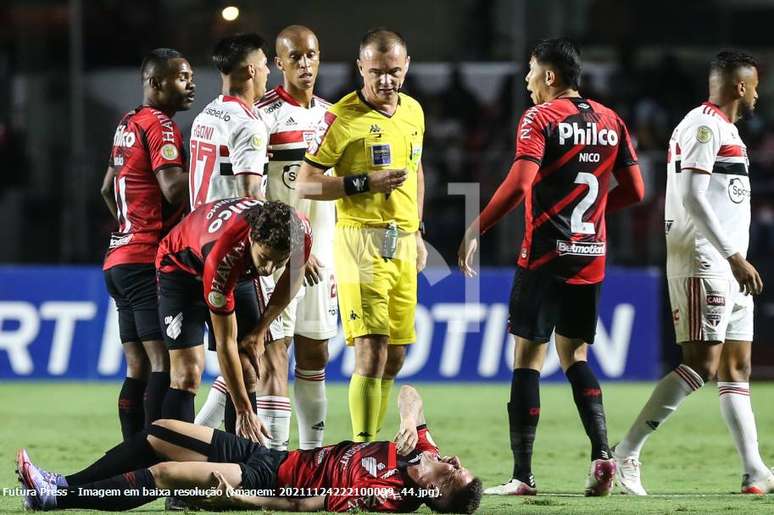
point(212, 252)
point(202, 464)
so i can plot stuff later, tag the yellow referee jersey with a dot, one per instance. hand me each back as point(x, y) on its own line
point(355, 138)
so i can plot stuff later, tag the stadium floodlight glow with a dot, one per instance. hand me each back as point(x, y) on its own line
point(230, 13)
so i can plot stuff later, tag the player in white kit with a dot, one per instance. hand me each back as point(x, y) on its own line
point(228, 138)
point(707, 224)
point(228, 156)
point(292, 113)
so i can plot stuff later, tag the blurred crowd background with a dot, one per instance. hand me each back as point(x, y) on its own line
point(70, 69)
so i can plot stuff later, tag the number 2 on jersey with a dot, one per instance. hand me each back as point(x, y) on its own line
point(577, 225)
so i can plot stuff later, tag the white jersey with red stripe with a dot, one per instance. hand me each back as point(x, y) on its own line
point(228, 138)
point(706, 140)
point(291, 126)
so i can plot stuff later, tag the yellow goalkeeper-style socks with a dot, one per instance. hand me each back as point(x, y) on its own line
point(365, 395)
point(385, 402)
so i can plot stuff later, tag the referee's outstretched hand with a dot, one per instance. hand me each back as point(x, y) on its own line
point(385, 181)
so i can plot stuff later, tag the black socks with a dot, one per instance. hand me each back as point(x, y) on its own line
point(120, 492)
point(134, 453)
point(523, 415)
point(131, 413)
point(588, 399)
point(179, 405)
point(155, 392)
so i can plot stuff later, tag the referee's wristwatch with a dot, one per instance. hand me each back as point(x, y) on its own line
point(422, 229)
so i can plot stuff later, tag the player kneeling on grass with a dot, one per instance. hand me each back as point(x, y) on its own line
point(178, 457)
point(202, 265)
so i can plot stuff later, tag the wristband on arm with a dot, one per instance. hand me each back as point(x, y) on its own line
point(354, 184)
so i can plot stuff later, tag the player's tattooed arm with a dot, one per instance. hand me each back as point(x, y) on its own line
point(107, 191)
point(412, 414)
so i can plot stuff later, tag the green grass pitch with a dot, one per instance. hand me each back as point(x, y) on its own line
point(690, 464)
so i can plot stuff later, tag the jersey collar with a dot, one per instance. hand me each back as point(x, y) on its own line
point(717, 110)
point(373, 107)
point(228, 98)
point(287, 97)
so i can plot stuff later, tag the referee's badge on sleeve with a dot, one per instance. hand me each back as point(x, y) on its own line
point(416, 151)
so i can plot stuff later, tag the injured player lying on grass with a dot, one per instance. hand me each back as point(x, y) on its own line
point(219, 470)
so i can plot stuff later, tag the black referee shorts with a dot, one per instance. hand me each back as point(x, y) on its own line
point(259, 465)
point(183, 312)
point(133, 287)
point(541, 302)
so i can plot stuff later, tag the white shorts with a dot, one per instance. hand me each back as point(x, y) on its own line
point(710, 309)
point(275, 328)
point(314, 312)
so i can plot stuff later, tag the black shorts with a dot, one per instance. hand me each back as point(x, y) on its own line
point(133, 287)
point(541, 302)
point(259, 465)
point(183, 312)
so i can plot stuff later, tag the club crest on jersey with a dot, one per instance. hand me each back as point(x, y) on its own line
point(703, 134)
point(381, 155)
point(580, 248)
point(169, 152)
point(322, 129)
point(586, 135)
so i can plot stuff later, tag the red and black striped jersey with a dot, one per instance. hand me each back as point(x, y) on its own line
point(368, 476)
point(213, 245)
point(577, 143)
point(145, 142)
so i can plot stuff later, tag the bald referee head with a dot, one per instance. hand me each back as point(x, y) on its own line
point(383, 62)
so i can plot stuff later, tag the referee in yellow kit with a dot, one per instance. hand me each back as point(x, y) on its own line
point(372, 139)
